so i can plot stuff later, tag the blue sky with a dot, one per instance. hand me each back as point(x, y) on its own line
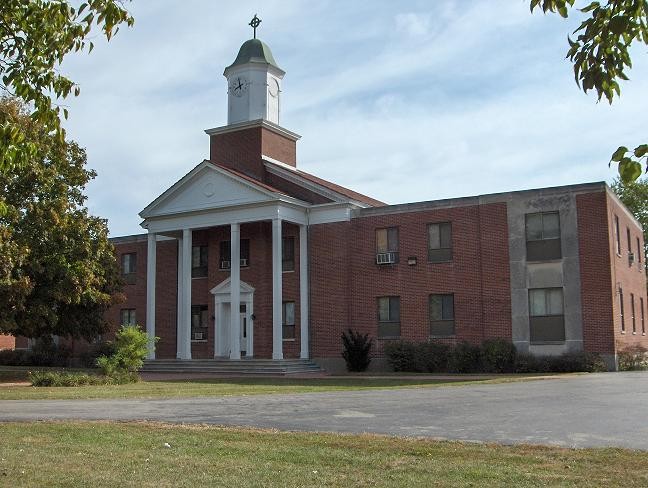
point(404, 101)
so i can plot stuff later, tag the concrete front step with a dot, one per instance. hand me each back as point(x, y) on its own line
point(226, 366)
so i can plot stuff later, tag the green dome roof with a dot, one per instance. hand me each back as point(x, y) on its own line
point(254, 51)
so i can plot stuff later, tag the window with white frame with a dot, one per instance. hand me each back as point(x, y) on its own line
point(546, 315)
point(388, 316)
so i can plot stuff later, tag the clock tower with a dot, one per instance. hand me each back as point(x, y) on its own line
point(253, 84)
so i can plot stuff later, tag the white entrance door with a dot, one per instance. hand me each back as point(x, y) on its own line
point(244, 332)
point(222, 324)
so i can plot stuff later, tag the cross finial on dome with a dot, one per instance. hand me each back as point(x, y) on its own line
point(254, 23)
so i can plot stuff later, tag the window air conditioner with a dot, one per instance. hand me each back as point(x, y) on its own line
point(224, 265)
point(198, 336)
point(386, 258)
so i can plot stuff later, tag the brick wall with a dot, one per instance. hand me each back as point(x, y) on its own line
point(346, 282)
point(631, 278)
point(7, 342)
point(242, 150)
point(596, 280)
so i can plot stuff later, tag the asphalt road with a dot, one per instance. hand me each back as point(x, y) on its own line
point(608, 409)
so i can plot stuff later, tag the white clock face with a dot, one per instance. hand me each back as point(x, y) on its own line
point(238, 86)
point(273, 88)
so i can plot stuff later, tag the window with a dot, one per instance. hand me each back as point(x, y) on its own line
point(629, 241)
point(617, 233)
point(546, 316)
point(442, 315)
point(127, 316)
point(543, 236)
point(129, 267)
point(440, 242)
point(199, 322)
point(632, 313)
point(288, 254)
point(639, 253)
point(387, 245)
point(621, 309)
point(288, 320)
point(199, 255)
point(226, 254)
point(643, 324)
point(389, 317)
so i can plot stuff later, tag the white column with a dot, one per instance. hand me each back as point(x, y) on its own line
point(180, 307)
point(303, 290)
point(277, 336)
point(235, 291)
point(150, 294)
point(186, 293)
point(218, 333)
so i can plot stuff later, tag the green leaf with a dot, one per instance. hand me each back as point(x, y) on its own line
point(619, 153)
point(619, 24)
point(629, 170)
point(641, 151)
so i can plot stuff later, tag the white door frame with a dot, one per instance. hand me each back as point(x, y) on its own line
point(222, 295)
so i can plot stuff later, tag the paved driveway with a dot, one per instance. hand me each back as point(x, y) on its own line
point(609, 409)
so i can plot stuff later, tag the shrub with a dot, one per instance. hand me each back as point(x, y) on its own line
point(571, 362)
point(88, 359)
point(633, 358)
point(401, 355)
point(357, 350)
point(64, 378)
point(498, 356)
point(131, 347)
point(465, 358)
point(431, 357)
point(46, 352)
point(61, 378)
point(18, 357)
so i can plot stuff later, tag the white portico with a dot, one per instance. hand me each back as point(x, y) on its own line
point(211, 196)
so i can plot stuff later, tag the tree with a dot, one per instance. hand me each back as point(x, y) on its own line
point(634, 195)
point(58, 273)
point(600, 55)
point(35, 37)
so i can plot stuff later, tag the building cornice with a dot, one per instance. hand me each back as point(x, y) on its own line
point(272, 127)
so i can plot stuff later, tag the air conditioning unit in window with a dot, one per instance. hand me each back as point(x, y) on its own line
point(224, 265)
point(244, 262)
point(198, 336)
point(631, 258)
point(386, 257)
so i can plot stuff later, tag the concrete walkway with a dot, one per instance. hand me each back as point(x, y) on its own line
point(607, 409)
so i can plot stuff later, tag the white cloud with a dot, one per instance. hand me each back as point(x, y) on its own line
point(403, 102)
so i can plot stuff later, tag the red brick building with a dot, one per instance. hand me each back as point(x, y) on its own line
point(300, 259)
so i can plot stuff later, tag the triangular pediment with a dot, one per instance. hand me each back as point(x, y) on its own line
point(207, 187)
point(224, 288)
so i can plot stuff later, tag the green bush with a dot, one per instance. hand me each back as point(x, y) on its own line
point(61, 378)
point(131, 347)
point(572, 362)
point(357, 350)
point(431, 357)
point(633, 358)
point(88, 358)
point(498, 356)
point(401, 355)
point(45, 352)
point(465, 358)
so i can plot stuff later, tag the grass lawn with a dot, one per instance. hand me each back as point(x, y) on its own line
point(133, 454)
point(227, 386)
